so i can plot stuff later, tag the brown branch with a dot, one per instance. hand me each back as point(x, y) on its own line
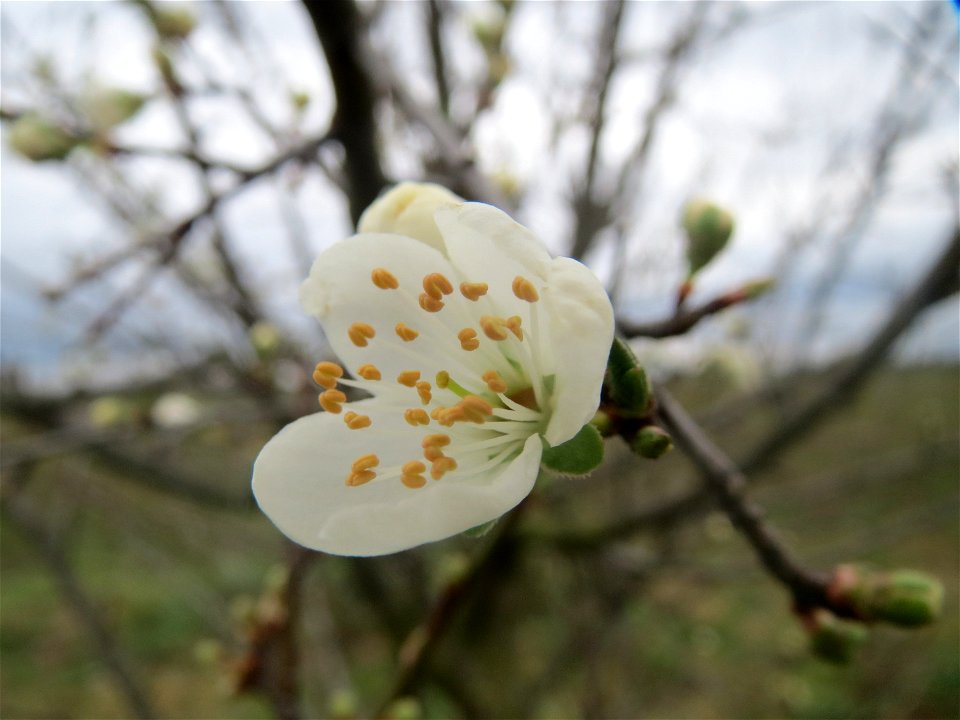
point(684, 320)
point(338, 26)
point(434, 31)
point(727, 484)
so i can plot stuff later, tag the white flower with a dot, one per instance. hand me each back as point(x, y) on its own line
point(474, 344)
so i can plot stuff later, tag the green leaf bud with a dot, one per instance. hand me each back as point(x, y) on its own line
point(708, 229)
point(835, 640)
point(38, 139)
point(628, 383)
point(756, 288)
point(578, 455)
point(652, 442)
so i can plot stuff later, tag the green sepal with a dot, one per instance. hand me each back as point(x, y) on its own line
point(578, 455)
point(480, 530)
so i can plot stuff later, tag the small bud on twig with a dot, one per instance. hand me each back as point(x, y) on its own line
point(652, 442)
point(708, 228)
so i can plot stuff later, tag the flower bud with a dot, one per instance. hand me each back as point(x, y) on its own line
point(264, 338)
point(38, 139)
point(108, 107)
point(408, 209)
point(652, 442)
point(902, 597)
point(906, 597)
point(833, 639)
point(174, 23)
point(628, 383)
point(756, 288)
point(708, 229)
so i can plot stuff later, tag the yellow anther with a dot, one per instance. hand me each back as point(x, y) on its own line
point(440, 466)
point(360, 478)
point(416, 416)
point(448, 416)
point(330, 400)
point(468, 341)
point(513, 325)
point(326, 374)
point(408, 377)
point(436, 412)
point(443, 379)
point(493, 327)
point(430, 304)
point(476, 409)
point(368, 372)
point(365, 462)
point(438, 440)
point(436, 286)
point(525, 290)
point(361, 332)
point(494, 381)
point(414, 467)
point(384, 279)
point(423, 390)
point(413, 481)
point(405, 333)
point(356, 422)
point(473, 291)
point(432, 453)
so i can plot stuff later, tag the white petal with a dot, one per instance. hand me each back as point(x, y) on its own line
point(407, 209)
point(580, 317)
point(299, 483)
point(340, 292)
point(487, 245)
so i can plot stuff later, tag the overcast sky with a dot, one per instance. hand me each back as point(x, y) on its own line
point(755, 119)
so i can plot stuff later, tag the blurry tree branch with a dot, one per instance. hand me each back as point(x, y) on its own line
point(422, 642)
point(54, 556)
point(939, 282)
point(435, 12)
point(339, 28)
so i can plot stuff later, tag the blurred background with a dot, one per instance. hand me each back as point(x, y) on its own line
point(169, 172)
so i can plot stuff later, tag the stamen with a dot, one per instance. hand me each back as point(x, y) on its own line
point(408, 377)
point(436, 286)
point(440, 466)
point(416, 416)
point(423, 390)
point(468, 339)
point(525, 290)
point(330, 401)
point(513, 325)
point(326, 374)
point(430, 304)
point(412, 475)
point(436, 440)
point(368, 372)
point(476, 408)
point(357, 422)
point(493, 327)
point(365, 462)
point(494, 381)
point(432, 453)
point(405, 333)
point(473, 291)
point(443, 377)
point(384, 279)
point(356, 479)
point(361, 332)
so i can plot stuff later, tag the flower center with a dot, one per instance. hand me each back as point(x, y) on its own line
point(479, 410)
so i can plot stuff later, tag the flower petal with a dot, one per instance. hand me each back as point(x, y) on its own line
point(298, 481)
point(407, 209)
point(340, 292)
point(580, 316)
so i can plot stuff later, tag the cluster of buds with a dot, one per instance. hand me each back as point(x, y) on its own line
point(907, 598)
